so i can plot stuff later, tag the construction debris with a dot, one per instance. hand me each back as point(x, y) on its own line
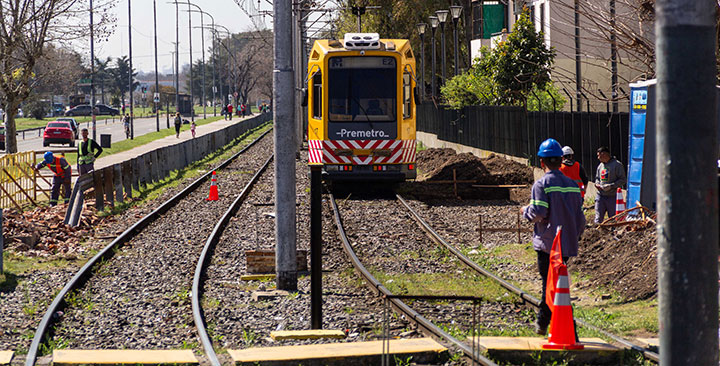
point(633, 219)
point(41, 232)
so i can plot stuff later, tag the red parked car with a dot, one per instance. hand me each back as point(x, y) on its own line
point(58, 132)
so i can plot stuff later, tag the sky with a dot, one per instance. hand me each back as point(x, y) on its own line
point(225, 12)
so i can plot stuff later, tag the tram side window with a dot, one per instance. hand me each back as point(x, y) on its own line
point(317, 96)
point(407, 96)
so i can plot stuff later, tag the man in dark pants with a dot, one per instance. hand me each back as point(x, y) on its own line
point(610, 176)
point(62, 170)
point(555, 201)
point(88, 151)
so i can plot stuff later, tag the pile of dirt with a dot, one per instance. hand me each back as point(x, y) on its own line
point(621, 259)
point(42, 232)
point(440, 164)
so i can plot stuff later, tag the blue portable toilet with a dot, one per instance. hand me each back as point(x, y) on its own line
point(641, 145)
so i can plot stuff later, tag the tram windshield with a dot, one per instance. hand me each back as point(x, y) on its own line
point(362, 89)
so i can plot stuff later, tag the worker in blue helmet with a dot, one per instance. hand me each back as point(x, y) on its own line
point(61, 176)
point(555, 201)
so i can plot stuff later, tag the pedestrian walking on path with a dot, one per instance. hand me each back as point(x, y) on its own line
point(126, 125)
point(230, 111)
point(178, 123)
point(610, 176)
point(62, 175)
point(88, 151)
point(192, 128)
point(573, 170)
point(555, 200)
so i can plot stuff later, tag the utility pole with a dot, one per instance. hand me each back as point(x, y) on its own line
point(177, 57)
point(130, 76)
point(578, 70)
point(687, 192)
point(285, 146)
point(202, 44)
point(192, 94)
point(613, 58)
point(92, 75)
point(157, 82)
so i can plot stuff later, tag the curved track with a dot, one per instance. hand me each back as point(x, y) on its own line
point(60, 301)
point(434, 236)
point(425, 325)
point(204, 260)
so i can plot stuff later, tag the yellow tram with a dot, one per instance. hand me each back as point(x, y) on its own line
point(361, 108)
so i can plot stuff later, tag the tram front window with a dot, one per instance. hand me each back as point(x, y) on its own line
point(362, 89)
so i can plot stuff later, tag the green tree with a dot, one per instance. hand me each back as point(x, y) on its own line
point(121, 75)
point(509, 73)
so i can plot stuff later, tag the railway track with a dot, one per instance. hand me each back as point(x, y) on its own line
point(424, 323)
point(135, 292)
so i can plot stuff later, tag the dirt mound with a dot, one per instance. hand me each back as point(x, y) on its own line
point(623, 260)
point(42, 232)
point(491, 170)
point(438, 165)
point(431, 159)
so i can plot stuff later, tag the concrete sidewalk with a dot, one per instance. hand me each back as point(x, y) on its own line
point(104, 161)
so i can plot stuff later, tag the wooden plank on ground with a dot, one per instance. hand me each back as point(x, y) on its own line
point(123, 357)
point(263, 261)
point(6, 357)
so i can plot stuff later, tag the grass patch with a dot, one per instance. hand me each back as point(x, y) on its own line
point(635, 318)
point(444, 284)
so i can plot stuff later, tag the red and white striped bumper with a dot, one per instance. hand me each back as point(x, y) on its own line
point(326, 151)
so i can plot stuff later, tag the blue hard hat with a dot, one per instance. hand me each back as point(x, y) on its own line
point(550, 148)
point(49, 157)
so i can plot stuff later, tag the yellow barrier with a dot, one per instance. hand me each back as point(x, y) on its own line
point(17, 180)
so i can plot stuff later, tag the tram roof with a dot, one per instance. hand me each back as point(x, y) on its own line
point(326, 46)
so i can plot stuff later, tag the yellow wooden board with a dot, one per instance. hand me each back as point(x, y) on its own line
point(118, 356)
point(535, 344)
point(6, 357)
point(334, 350)
point(307, 334)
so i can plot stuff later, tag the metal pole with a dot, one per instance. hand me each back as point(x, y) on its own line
point(202, 44)
point(92, 75)
point(177, 57)
point(192, 94)
point(284, 138)
point(433, 74)
point(686, 174)
point(157, 82)
point(613, 58)
point(443, 60)
point(578, 71)
point(316, 247)
point(130, 74)
point(422, 67)
point(457, 46)
point(215, 70)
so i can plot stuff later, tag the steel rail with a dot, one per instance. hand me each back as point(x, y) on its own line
point(85, 272)
point(210, 244)
point(425, 325)
point(526, 297)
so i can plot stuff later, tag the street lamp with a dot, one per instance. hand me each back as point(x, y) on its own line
point(442, 17)
point(433, 24)
point(421, 27)
point(455, 11)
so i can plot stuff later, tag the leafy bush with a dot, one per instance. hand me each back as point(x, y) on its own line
point(36, 109)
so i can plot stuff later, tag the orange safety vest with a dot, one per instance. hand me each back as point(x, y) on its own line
point(56, 168)
point(573, 172)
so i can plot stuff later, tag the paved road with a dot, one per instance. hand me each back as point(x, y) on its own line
point(142, 126)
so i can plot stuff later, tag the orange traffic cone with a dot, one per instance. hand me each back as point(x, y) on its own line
point(619, 201)
point(213, 189)
point(562, 327)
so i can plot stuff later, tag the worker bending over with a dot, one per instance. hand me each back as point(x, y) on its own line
point(62, 173)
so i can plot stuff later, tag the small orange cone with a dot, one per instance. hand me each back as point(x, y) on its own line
point(562, 327)
point(213, 189)
point(619, 201)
